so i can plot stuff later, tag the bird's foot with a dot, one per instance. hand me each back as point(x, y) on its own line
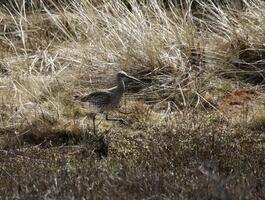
point(124, 122)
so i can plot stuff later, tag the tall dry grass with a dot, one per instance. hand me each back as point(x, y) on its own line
point(180, 56)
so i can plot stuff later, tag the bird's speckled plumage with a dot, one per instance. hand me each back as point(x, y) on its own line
point(109, 99)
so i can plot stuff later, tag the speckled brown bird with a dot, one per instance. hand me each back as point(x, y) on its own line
point(107, 100)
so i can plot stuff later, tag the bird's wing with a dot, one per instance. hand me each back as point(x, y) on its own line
point(97, 98)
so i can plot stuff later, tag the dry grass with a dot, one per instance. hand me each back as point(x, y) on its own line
point(196, 128)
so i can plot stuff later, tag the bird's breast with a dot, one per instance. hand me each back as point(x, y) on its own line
point(116, 100)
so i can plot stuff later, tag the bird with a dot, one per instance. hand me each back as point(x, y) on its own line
point(107, 100)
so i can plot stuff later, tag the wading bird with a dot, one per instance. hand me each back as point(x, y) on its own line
point(107, 100)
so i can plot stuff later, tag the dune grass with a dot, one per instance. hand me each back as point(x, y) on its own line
point(196, 127)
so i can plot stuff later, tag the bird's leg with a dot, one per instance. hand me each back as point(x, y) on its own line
point(94, 123)
point(116, 119)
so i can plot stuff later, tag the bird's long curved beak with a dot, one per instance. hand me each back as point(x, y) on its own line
point(135, 79)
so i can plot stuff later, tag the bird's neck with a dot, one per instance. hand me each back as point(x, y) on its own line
point(121, 85)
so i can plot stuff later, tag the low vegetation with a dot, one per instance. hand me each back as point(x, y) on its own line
point(196, 126)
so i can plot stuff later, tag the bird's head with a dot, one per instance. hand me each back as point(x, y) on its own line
point(123, 75)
